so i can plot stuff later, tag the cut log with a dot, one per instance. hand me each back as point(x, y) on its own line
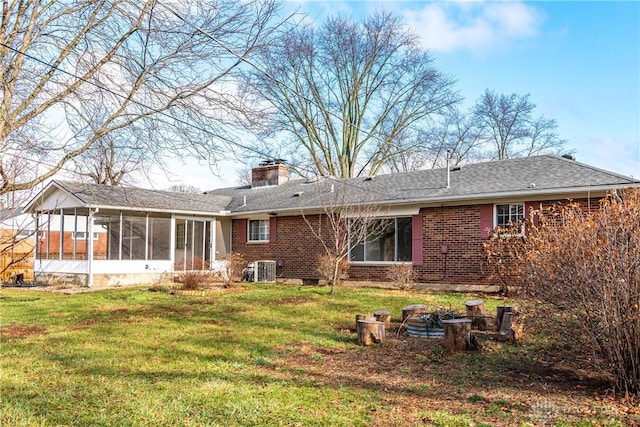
point(457, 334)
point(475, 312)
point(510, 327)
point(383, 316)
point(500, 310)
point(413, 309)
point(370, 332)
point(363, 317)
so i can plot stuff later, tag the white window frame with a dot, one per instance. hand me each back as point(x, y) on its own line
point(519, 221)
point(81, 235)
point(395, 248)
point(264, 231)
point(25, 234)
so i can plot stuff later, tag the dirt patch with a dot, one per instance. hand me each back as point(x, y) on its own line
point(499, 385)
point(297, 301)
point(22, 331)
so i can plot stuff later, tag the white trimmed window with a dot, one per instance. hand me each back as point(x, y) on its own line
point(258, 230)
point(82, 235)
point(24, 234)
point(386, 240)
point(510, 213)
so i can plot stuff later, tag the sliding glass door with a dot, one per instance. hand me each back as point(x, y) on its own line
point(193, 244)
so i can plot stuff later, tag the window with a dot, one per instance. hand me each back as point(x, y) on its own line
point(386, 240)
point(25, 234)
point(510, 214)
point(258, 230)
point(82, 235)
point(183, 240)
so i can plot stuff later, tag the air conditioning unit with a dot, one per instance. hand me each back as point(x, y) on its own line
point(264, 271)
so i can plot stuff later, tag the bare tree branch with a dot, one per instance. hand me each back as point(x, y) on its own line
point(509, 130)
point(76, 74)
point(345, 93)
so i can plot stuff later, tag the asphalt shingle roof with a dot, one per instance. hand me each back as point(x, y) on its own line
point(525, 175)
point(143, 199)
point(506, 178)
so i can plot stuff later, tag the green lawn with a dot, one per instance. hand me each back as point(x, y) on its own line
point(130, 357)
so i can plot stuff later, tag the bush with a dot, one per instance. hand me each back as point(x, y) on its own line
point(193, 279)
point(332, 268)
point(402, 275)
point(234, 263)
point(588, 263)
point(193, 274)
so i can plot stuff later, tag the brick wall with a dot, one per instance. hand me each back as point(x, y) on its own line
point(452, 250)
point(295, 246)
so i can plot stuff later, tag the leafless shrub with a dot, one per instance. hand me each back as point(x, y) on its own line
point(504, 256)
point(333, 269)
point(234, 263)
point(193, 273)
point(588, 263)
point(402, 275)
point(192, 279)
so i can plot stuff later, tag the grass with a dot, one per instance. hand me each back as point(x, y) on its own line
point(265, 355)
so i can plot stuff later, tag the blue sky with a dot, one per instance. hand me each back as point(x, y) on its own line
point(579, 61)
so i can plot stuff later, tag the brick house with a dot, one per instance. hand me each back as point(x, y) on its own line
point(435, 219)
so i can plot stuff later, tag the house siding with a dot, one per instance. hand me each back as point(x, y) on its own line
point(295, 248)
point(451, 249)
point(452, 246)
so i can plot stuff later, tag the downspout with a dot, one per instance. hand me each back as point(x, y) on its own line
point(90, 247)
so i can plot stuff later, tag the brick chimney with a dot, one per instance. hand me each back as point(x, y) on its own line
point(269, 172)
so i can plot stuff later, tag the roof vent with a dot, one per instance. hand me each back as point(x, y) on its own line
point(532, 185)
point(369, 178)
point(298, 194)
point(456, 168)
point(568, 156)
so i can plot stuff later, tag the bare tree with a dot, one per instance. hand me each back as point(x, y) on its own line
point(184, 188)
point(453, 139)
point(344, 94)
point(510, 130)
point(108, 161)
point(342, 226)
point(157, 72)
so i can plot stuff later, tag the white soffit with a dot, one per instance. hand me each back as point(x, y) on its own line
point(382, 212)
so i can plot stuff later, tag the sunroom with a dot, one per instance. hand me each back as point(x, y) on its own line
point(99, 235)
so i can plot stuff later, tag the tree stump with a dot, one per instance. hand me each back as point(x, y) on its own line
point(457, 334)
point(475, 312)
point(383, 316)
point(510, 327)
point(363, 317)
point(500, 310)
point(413, 309)
point(370, 332)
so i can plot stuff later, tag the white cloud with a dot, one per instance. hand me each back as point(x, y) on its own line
point(473, 26)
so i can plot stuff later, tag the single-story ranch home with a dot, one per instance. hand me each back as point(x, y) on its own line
point(436, 220)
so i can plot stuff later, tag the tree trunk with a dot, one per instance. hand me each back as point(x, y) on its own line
point(363, 317)
point(475, 312)
point(510, 327)
point(500, 310)
point(383, 316)
point(413, 309)
point(457, 335)
point(370, 332)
